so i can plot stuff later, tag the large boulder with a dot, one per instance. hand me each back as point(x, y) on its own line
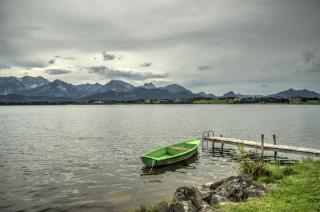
point(254, 189)
point(185, 206)
point(235, 189)
point(192, 201)
point(215, 185)
point(206, 186)
point(206, 196)
point(186, 193)
point(226, 191)
point(206, 208)
point(218, 200)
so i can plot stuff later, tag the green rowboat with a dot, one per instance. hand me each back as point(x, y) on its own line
point(171, 154)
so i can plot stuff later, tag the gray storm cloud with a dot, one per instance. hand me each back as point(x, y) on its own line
point(57, 71)
point(131, 75)
point(146, 65)
point(134, 75)
point(4, 67)
point(171, 34)
point(97, 69)
point(51, 61)
point(310, 54)
point(107, 56)
point(204, 68)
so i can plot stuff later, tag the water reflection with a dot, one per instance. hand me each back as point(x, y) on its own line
point(185, 164)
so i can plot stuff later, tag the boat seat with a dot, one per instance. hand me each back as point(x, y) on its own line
point(178, 148)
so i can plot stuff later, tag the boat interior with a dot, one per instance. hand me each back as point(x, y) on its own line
point(169, 151)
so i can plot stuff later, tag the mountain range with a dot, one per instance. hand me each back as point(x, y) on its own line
point(114, 90)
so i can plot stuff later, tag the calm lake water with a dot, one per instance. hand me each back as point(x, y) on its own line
point(86, 158)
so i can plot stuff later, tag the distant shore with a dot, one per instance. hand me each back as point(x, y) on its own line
point(230, 101)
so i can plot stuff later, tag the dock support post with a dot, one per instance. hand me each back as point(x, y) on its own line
point(212, 147)
point(275, 143)
point(262, 144)
point(222, 144)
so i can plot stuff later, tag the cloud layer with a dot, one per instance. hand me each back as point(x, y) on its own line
point(204, 68)
point(124, 74)
point(107, 56)
point(57, 71)
point(221, 45)
point(146, 65)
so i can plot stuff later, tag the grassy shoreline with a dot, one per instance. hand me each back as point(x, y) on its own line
point(299, 188)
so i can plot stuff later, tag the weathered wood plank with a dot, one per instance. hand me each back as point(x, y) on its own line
point(178, 148)
point(265, 146)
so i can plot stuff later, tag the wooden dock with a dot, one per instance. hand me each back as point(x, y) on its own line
point(263, 146)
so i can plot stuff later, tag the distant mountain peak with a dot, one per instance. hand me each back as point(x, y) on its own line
point(116, 85)
point(175, 88)
point(117, 82)
point(33, 82)
point(150, 83)
point(60, 82)
point(210, 95)
point(29, 77)
point(88, 89)
point(229, 94)
point(57, 88)
point(291, 93)
point(149, 86)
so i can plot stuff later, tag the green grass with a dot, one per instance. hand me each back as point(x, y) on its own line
point(259, 170)
point(299, 190)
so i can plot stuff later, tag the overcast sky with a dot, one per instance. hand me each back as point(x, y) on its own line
point(215, 46)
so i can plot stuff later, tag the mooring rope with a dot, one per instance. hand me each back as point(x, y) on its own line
point(153, 163)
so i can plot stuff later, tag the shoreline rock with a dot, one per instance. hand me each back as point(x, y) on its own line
point(226, 191)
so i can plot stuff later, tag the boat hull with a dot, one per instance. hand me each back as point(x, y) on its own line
point(171, 154)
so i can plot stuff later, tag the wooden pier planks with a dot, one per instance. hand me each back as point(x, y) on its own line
point(266, 146)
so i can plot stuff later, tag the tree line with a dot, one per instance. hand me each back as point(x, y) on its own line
point(250, 100)
point(262, 100)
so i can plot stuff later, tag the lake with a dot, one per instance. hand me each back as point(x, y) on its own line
point(86, 157)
